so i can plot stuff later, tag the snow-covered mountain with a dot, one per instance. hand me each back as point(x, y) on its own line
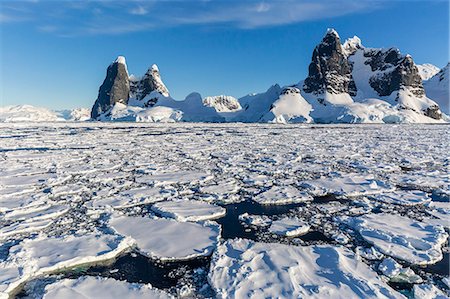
point(347, 83)
point(427, 70)
point(223, 103)
point(77, 114)
point(28, 113)
point(353, 83)
point(437, 88)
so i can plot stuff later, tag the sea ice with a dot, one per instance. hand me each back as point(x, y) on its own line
point(129, 198)
point(101, 288)
point(347, 185)
point(43, 255)
point(280, 195)
point(180, 177)
point(188, 210)
point(390, 268)
point(401, 197)
point(255, 220)
point(167, 239)
point(246, 269)
point(22, 227)
point(401, 237)
point(428, 291)
point(370, 253)
point(289, 227)
point(440, 210)
point(45, 211)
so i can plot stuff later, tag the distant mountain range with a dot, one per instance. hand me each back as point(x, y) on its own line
point(346, 83)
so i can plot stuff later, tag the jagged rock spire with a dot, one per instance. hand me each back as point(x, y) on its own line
point(115, 88)
point(329, 69)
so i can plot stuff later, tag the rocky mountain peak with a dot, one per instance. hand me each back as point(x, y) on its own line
point(351, 45)
point(395, 72)
point(115, 88)
point(151, 81)
point(329, 70)
point(222, 103)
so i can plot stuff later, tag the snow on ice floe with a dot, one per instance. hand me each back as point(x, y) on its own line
point(129, 198)
point(101, 288)
point(370, 253)
point(255, 220)
point(166, 239)
point(441, 212)
point(289, 227)
point(396, 273)
point(246, 269)
point(346, 185)
point(23, 227)
point(43, 255)
point(401, 197)
point(179, 177)
point(188, 210)
point(425, 180)
point(428, 291)
point(9, 202)
point(44, 211)
point(282, 195)
point(95, 168)
point(225, 191)
point(401, 237)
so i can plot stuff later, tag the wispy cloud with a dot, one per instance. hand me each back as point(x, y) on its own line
point(139, 10)
point(71, 18)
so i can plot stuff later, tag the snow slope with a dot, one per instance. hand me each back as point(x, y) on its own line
point(427, 70)
point(28, 113)
point(437, 88)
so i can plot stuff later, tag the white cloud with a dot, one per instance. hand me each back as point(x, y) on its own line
point(139, 10)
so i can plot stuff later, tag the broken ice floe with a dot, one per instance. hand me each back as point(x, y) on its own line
point(43, 255)
point(129, 198)
point(440, 210)
point(347, 185)
point(243, 268)
point(282, 195)
point(166, 239)
point(289, 227)
point(428, 291)
point(370, 253)
point(401, 237)
point(255, 220)
point(401, 197)
point(22, 227)
point(396, 273)
point(101, 288)
point(178, 177)
point(188, 210)
point(45, 211)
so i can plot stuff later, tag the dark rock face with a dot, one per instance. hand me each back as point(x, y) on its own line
point(404, 73)
point(433, 112)
point(381, 60)
point(330, 69)
point(290, 90)
point(150, 82)
point(115, 89)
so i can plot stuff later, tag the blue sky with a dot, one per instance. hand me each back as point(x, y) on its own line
point(55, 53)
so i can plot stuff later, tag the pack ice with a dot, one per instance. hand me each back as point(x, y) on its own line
point(166, 239)
point(246, 269)
point(401, 237)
